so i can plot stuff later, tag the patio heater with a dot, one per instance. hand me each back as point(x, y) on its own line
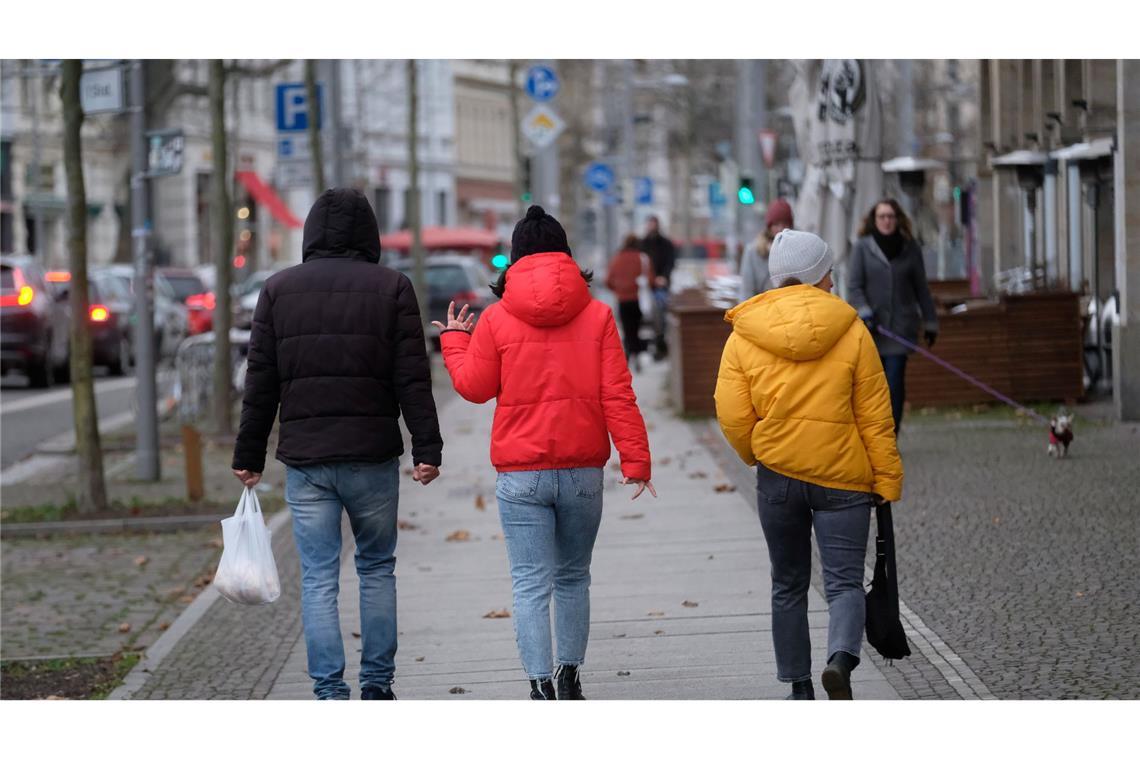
point(911, 173)
point(1029, 168)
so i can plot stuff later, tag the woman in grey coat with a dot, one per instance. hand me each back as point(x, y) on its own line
point(888, 287)
point(754, 261)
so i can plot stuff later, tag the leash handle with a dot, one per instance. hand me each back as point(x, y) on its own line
point(965, 376)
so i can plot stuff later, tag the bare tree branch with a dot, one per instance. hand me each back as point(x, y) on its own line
point(260, 70)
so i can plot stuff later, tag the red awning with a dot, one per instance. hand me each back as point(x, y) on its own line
point(442, 238)
point(264, 195)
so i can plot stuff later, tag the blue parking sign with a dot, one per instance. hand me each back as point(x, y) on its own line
point(599, 177)
point(293, 107)
point(643, 190)
point(542, 83)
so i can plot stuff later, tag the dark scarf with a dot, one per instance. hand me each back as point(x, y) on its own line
point(891, 245)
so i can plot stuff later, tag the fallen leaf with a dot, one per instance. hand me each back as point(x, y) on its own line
point(724, 488)
point(457, 690)
point(687, 603)
point(710, 556)
point(656, 613)
point(163, 625)
point(459, 535)
point(124, 628)
point(498, 614)
point(635, 516)
point(142, 560)
point(186, 599)
point(55, 696)
point(658, 633)
point(1080, 594)
point(203, 581)
point(623, 672)
point(497, 537)
point(480, 503)
point(176, 591)
point(405, 525)
point(697, 475)
point(215, 543)
point(997, 521)
point(408, 471)
point(355, 635)
point(664, 461)
point(619, 635)
point(419, 659)
point(616, 467)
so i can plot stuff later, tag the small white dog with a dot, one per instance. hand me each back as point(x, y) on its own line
point(1060, 434)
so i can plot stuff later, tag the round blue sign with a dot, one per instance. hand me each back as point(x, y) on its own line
point(542, 83)
point(599, 177)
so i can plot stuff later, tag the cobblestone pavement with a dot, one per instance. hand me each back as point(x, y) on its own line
point(70, 595)
point(1024, 566)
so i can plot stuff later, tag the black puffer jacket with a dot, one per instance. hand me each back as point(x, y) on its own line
point(337, 341)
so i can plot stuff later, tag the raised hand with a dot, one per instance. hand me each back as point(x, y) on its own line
point(641, 486)
point(463, 322)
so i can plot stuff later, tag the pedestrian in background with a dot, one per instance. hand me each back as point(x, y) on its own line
point(551, 357)
point(629, 274)
point(754, 261)
point(337, 344)
point(663, 256)
point(801, 395)
point(888, 287)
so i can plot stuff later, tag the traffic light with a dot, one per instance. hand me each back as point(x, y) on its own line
point(745, 194)
point(526, 180)
point(499, 261)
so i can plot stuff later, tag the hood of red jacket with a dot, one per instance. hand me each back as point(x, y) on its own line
point(545, 289)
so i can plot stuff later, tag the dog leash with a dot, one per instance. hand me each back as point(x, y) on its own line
point(965, 376)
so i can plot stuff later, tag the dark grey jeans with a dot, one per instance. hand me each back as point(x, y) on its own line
point(789, 509)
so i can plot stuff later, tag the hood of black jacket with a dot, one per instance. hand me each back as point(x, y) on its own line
point(341, 224)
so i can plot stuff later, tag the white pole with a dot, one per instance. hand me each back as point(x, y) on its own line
point(1076, 258)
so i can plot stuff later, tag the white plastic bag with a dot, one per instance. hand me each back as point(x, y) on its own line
point(247, 573)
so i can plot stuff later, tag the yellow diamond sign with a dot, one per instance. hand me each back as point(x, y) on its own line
point(542, 126)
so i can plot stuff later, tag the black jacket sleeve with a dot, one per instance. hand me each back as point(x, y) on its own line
point(262, 390)
point(412, 378)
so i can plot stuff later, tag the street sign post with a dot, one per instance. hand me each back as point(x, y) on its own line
point(542, 83)
point(294, 172)
point(599, 177)
point(164, 152)
point(542, 126)
point(101, 91)
point(768, 138)
point(643, 191)
point(293, 107)
point(294, 147)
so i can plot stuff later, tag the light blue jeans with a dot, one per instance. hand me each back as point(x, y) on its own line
point(369, 493)
point(550, 520)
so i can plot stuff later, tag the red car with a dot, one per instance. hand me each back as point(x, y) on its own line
point(185, 286)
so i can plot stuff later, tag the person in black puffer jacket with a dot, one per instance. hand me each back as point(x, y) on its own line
point(337, 343)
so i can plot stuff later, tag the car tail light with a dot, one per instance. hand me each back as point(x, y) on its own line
point(25, 294)
point(99, 313)
point(57, 276)
point(202, 301)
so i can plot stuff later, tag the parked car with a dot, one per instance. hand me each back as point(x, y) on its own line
point(452, 277)
point(186, 287)
point(112, 317)
point(170, 314)
point(33, 323)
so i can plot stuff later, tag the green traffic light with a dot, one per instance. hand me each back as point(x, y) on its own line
point(526, 197)
point(500, 261)
point(745, 196)
point(957, 193)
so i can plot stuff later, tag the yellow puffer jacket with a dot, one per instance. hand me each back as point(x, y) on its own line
point(802, 390)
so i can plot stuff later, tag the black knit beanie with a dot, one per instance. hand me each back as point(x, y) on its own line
point(538, 232)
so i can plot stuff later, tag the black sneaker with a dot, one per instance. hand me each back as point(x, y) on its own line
point(836, 677)
point(543, 689)
point(569, 685)
point(802, 690)
point(377, 692)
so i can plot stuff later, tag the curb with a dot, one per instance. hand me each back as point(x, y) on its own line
point(114, 525)
point(157, 652)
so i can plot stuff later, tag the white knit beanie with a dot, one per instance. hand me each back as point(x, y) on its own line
point(799, 255)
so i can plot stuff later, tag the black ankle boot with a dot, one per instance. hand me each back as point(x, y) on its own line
point(543, 689)
point(802, 690)
point(569, 685)
point(836, 677)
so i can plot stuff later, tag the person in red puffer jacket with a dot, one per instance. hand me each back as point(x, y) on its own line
point(551, 357)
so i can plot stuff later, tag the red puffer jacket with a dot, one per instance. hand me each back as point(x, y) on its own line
point(550, 354)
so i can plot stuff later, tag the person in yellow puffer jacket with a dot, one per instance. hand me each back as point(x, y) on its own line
point(801, 394)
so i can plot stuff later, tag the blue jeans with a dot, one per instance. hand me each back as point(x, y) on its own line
point(369, 493)
point(895, 368)
point(550, 520)
point(789, 509)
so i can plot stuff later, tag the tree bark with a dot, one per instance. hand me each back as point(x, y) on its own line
point(314, 128)
point(221, 214)
point(92, 496)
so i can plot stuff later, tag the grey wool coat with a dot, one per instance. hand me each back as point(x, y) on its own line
point(895, 293)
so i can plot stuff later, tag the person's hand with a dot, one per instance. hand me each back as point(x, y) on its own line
point(247, 478)
point(462, 322)
point(425, 473)
point(879, 500)
point(931, 336)
point(641, 486)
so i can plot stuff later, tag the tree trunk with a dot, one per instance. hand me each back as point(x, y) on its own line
point(222, 219)
point(513, 72)
point(418, 264)
point(92, 496)
point(314, 128)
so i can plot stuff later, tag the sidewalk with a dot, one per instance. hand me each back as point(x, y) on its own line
point(680, 594)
